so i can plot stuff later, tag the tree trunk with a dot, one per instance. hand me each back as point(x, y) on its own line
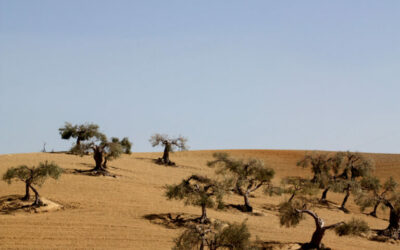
point(345, 199)
point(323, 197)
point(247, 207)
point(37, 201)
point(316, 239)
point(27, 193)
point(166, 153)
point(393, 230)
point(373, 213)
point(98, 158)
point(203, 218)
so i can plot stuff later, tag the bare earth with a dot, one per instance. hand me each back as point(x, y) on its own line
point(129, 211)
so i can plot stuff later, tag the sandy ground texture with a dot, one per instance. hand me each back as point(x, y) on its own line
point(131, 212)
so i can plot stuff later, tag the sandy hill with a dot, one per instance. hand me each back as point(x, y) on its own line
point(111, 213)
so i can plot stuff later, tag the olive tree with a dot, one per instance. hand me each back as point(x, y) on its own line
point(91, 140)
point(35, 175)
point(291, 213)
point(169, 144)
point(355, 167)
point(246, 175)
point(103, 151)
point(81, 133)
point(321, 169)
point(297, 186)
point(214, 236)
point(340, 171)
point(377, 191)
point(198, 191)
point(365, 200)
point(125, 144)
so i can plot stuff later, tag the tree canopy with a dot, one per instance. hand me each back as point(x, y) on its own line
point(35, 175)
point(214, 236)
point(169, 144)
point(246, 175)
point(198, 191)
point(81, 133)
point(291, 214)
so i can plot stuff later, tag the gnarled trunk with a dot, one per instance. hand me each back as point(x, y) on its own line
point(319, 232)
point(393, 230)
point(316, 239)
point(37, 201)
point(167, 149)
point(27, 193)
point(98, 158)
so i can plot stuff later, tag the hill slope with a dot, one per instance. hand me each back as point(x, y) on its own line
point(105, 212)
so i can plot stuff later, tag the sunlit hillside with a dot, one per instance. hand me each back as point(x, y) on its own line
point(112, 213)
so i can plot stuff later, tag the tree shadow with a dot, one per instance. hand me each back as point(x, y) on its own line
point(172, 220)
point(326, 204)
point(11, 204)
point(90, 172)
point(271, 207)
point(242, 208)
point(275, 245)
point(145, 158)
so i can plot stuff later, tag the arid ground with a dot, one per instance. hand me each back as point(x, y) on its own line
point(131, 212)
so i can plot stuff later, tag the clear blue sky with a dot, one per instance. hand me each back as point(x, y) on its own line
point(226, 74)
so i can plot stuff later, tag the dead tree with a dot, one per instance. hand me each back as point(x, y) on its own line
point(33, 176)
point(169, 144)
point(246, 175)
point(198, 191)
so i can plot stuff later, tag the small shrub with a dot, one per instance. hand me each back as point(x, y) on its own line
point(353, 227)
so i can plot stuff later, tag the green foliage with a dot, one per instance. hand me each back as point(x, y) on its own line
point(390, 185)
point(298, 186)
point(189, 239)
point(356, 165)
point(21, 173)
point(246, 175)
point(353, 227)
point(319, 166)
point(198, 191)
point(365, 200)
point(288, 214)
point(171, 143)
point(373, 192)
point(113, 150)
point(124, 143)
point(234, 236)
point(370, 183)
point(35, 175)
point(215, 236)
point(81, 132)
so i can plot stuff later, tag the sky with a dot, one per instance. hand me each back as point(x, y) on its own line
point(226, 74)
